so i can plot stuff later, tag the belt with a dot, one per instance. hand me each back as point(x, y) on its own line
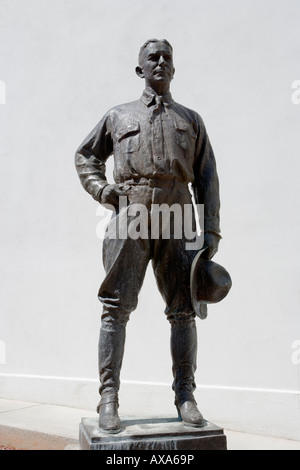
point(156, 183)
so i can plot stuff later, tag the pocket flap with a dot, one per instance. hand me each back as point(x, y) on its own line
point(128, 126)
point(184, 126)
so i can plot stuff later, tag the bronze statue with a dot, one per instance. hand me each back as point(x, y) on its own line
point(159, 147)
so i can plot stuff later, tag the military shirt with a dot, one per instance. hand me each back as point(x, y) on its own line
point(152, 138)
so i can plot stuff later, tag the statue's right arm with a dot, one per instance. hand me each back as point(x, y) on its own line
point(91, 157)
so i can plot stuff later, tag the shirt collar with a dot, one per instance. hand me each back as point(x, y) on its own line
point(148, 98)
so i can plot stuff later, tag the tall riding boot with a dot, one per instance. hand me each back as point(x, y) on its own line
point(184, 356)
point(111, 351)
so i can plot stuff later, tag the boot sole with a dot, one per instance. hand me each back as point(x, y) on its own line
point(191, 425)
point(110, 431)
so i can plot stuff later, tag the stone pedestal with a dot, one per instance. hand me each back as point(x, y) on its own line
point(151, 434)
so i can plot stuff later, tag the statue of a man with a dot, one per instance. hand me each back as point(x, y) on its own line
point(159, 147)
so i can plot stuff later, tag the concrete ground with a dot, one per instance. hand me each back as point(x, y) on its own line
point(36, 426)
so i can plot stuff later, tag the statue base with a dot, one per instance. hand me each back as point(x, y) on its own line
point(151, 434)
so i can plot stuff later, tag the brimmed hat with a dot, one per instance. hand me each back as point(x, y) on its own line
point(210, 283)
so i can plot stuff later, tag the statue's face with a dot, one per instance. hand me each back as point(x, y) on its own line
point(157, 64)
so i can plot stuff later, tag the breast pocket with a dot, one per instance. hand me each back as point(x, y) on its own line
point(129, 137)
point(185, 135)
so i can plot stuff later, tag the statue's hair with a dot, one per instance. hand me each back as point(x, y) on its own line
point(144, 46)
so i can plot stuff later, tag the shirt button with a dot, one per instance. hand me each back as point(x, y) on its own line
point(158, 158)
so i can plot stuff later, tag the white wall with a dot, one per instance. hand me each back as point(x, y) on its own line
point(64, 64)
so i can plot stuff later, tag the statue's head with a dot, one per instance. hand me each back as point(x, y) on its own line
point(156, 63)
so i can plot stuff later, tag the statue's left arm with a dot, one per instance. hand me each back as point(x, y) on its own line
point(206, 190)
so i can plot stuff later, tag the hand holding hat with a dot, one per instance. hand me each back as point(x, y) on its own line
point(211, 244)
point(210, 282)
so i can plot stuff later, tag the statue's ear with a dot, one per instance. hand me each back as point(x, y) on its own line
point(139, 72)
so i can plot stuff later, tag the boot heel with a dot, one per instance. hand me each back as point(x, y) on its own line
point(178, 413)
